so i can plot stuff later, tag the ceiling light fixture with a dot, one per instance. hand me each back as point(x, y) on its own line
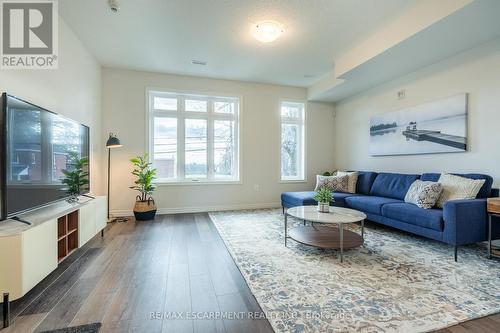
point(267, 31)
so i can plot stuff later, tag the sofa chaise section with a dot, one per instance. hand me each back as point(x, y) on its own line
point(293, 199)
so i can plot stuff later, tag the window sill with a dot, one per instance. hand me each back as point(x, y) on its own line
point(204, 183)
point(287, 181)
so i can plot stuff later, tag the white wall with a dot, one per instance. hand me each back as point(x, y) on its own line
point(124, 108)
point(73, 90)
point(476, 72)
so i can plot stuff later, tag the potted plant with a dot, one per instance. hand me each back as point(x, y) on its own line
point(323, 196)
point(76, 176)
point(144, 208)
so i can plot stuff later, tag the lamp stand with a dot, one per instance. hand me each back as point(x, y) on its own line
point(109, 171)
point(112, 219)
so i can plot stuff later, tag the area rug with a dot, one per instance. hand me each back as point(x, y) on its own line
point(396, 282)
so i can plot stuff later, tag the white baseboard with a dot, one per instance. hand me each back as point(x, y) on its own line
point(201, 209)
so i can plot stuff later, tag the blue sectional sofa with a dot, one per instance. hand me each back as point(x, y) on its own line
point(381, 197)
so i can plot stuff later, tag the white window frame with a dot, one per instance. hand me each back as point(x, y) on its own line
point(301, 121)
point(181, 115)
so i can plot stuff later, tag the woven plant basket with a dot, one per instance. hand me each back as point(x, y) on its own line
point(144, 210)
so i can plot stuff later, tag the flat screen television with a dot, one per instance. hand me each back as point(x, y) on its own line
point(35, 146)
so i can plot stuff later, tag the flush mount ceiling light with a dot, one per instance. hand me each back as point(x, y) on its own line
point(267, 31)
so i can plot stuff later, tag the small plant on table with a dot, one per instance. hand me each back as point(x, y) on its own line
point(323, 196)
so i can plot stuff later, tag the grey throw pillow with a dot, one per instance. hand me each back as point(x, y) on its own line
point(424, 194)
point(332, 183)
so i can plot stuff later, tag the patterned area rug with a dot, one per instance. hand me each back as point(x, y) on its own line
point(396, 282)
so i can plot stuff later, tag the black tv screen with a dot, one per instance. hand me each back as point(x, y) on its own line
point(36, 146)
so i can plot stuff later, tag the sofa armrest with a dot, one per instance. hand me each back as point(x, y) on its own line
point(465, 221)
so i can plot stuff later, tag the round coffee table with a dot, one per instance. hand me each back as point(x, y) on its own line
point(326, 237)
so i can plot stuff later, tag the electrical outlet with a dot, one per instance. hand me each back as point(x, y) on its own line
point(256, 187)
point(401, 94)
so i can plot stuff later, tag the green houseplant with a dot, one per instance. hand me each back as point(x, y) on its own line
point(144, 208)
point(323, 196)
point(76, 176)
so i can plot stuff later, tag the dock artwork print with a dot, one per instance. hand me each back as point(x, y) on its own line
point(430, 128)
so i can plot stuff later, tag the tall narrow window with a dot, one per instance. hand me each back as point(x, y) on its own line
point(194, 138)
point(292, 141)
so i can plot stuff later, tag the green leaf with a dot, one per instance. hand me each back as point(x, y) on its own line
point(145, 175)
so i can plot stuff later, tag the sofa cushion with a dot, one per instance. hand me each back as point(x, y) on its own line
point(392, 185)
point(484, 192)
point(292, 199)
point(365, 182)
point(409, 213)
point(340, 197)
point(369, 204)
point(298, 198)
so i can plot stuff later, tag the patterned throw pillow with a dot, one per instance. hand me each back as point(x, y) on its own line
point(333, 183)
point(457, 188)
point(351, 181)
point(423, 194)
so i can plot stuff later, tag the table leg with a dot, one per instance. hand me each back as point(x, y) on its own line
point(489, 236)
point(286, 227)
point(363, 228)
point(341, 229)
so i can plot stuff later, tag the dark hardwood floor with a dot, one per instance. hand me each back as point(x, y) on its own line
point(177, 265)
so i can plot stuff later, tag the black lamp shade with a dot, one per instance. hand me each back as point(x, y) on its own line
point(113, 142)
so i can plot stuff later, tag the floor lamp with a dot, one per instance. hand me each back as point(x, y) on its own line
point(113, 142)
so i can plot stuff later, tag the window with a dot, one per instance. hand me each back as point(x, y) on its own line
point(194, 138)
point(292, 141)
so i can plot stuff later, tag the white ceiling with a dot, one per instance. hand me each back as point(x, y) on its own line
point(476, 23)
point(165, 35)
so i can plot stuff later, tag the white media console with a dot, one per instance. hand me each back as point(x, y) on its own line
point(28, 253)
